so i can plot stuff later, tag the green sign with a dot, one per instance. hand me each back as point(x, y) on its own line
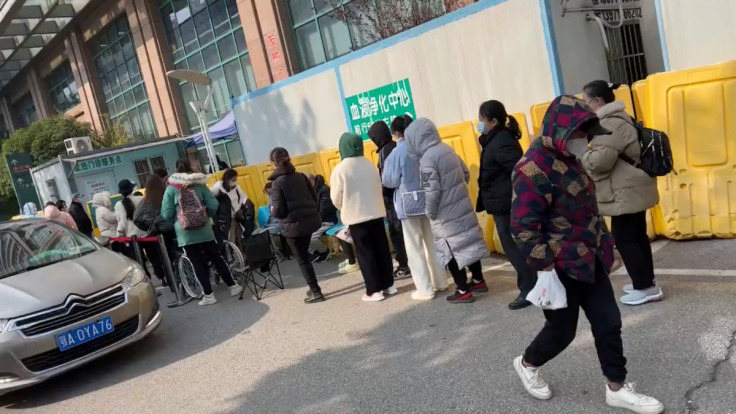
point(380, 104)
point(19, 166)
point(84, 166)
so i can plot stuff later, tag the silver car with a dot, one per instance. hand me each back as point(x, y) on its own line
point(65, 301)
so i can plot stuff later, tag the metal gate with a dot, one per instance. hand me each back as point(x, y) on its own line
point(626, 61)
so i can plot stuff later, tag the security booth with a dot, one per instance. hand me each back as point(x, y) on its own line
point(92, 172)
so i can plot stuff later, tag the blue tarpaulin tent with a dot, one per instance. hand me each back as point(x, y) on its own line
point(223, 128)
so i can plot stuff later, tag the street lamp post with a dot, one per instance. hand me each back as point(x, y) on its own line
point(199, 107)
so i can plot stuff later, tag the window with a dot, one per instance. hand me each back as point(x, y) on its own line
point(113, 53)
point(626, 62)
point(207, 36)
point(62, 87)
point(25, 110)
point(146, 167)
point(53, 190)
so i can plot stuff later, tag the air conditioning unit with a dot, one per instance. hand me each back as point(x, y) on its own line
point(78, 145)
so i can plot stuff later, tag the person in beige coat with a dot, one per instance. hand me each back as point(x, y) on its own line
point(624, 192)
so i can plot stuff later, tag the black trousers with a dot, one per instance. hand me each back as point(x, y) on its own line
point(200, 255)
point(461, 278)
point(396, 233)
point(300, 247)
point(347, 248)
point(632, 241)
point(599, 304)
point(374, 255)
point(526, 278)
point(153, 254)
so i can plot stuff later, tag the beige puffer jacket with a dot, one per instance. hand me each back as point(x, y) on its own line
point(620, 187)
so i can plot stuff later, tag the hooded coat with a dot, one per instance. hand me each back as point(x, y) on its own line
point(356, 185)
point(294, 202)
point(107, 221)
point(380, 134)
point(170, 207)
point(54, 214)
point(554, 213)
point(620, 187)
point(444, 178)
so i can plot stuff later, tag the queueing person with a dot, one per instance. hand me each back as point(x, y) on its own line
point(76, 210)
point(273, 227)
point(457, 234)
point(188, 201)
point(107, 222)
point(624, 192)
point(294, 203)
point(147, 218)
point(52, 212)
point(401, 172)
point(501, 150)
point(233, 202)
point(328, 214)
point(61, 205)
point(380, 134)
point(555, 220)
point(356, 192)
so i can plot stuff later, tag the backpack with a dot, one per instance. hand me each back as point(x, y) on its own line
point(656, 153)
point(192, 212)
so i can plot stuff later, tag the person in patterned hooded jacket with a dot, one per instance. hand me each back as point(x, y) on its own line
point(556, 223)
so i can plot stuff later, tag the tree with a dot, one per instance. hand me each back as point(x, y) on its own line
point(113, 134)
point(373, 20)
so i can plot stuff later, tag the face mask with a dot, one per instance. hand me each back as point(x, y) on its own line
point(577, 147)
point(233, 184)
point(481, 127)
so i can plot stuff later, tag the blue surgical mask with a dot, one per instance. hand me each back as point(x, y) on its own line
point(481, 127)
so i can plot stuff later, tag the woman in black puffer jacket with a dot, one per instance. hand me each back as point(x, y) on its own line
point(148, 218)
point(294, 203)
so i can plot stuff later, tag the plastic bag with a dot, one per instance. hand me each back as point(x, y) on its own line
point(548, 293)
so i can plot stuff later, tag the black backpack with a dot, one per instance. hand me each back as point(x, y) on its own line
point(656, 153)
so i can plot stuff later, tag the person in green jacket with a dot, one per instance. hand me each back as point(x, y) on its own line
point(198, 244)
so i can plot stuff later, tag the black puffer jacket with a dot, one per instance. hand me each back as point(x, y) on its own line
point(84, 224)
point(327, 210)
point(148, 218)
point(501, 152)
point(294, 202)
point(381, 136)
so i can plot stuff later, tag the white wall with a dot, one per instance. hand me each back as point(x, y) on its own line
point(54, 171)
point(497, 53)
point(699, 32)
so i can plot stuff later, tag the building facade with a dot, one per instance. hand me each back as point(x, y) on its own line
point(106, 60)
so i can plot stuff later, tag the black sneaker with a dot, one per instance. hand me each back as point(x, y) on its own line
point(459, 297)
point(402, 273)
point(314, 297)
point(479, 287)
point(321, 257)
point(519, 303)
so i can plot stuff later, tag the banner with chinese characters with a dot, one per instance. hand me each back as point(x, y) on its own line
point(84, 166)
point(380, 104)
point(19, 166)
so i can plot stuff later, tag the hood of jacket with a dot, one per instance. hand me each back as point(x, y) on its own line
point(380, 134)
point(565, 115)
point(351, 145)
point(102, 200)
point(51, 212)
point(179, 180)
point(420, 136)
point(283, 169)
point(612, 108)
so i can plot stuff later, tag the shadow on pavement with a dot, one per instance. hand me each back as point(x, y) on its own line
point(171, 342)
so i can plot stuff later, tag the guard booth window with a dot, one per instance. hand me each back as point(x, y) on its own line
point(626, 61)
point(145, 167)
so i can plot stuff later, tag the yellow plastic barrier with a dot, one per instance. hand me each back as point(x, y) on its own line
point(329, 160)
point(697, 109)
point(639, 95)
point(623, 93)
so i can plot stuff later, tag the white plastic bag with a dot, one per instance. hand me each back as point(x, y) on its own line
point(548, 293)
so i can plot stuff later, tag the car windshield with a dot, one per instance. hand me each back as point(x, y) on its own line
point(30, 244)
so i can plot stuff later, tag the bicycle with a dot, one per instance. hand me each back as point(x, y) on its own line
point(188, 279)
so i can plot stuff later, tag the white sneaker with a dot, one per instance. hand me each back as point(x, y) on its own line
point(235, 289)
point(391, 290)
point(640, 297)
point(208, 300)
point(343, 264)
point(376, 297)
point(629, 399)
point(420, 296)
point(533, 383)
point(350, 268)
point(628, 288)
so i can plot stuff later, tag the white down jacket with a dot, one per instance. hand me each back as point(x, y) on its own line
point(444, 177)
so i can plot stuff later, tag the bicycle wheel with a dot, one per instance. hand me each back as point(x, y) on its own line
point(233, 256)
point(189, 279)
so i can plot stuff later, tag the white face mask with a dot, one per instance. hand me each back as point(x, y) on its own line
point(577, 147)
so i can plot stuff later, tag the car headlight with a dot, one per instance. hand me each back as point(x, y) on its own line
point(135, 276)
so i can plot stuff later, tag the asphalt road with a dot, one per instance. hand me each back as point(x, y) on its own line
point(400, 356)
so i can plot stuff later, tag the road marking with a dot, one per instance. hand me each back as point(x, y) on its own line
point(695, 272)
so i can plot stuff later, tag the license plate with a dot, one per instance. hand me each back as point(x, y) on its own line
point(85, 333)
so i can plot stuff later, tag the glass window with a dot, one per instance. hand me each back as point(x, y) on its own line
point(142, 170)
point(240, 40)
point(232, 10)
point(250, 77)
point(195, 62)
point(227, 48)
point(235, 78)
point(311, 51)
point(204, 27)
point(188, 36)
point(220, 21)
point(125, 94)
point(301, 10)
point(210, 57)
point(158, 162)
point(25, 110)
point(63, 88)
point(335, 35)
